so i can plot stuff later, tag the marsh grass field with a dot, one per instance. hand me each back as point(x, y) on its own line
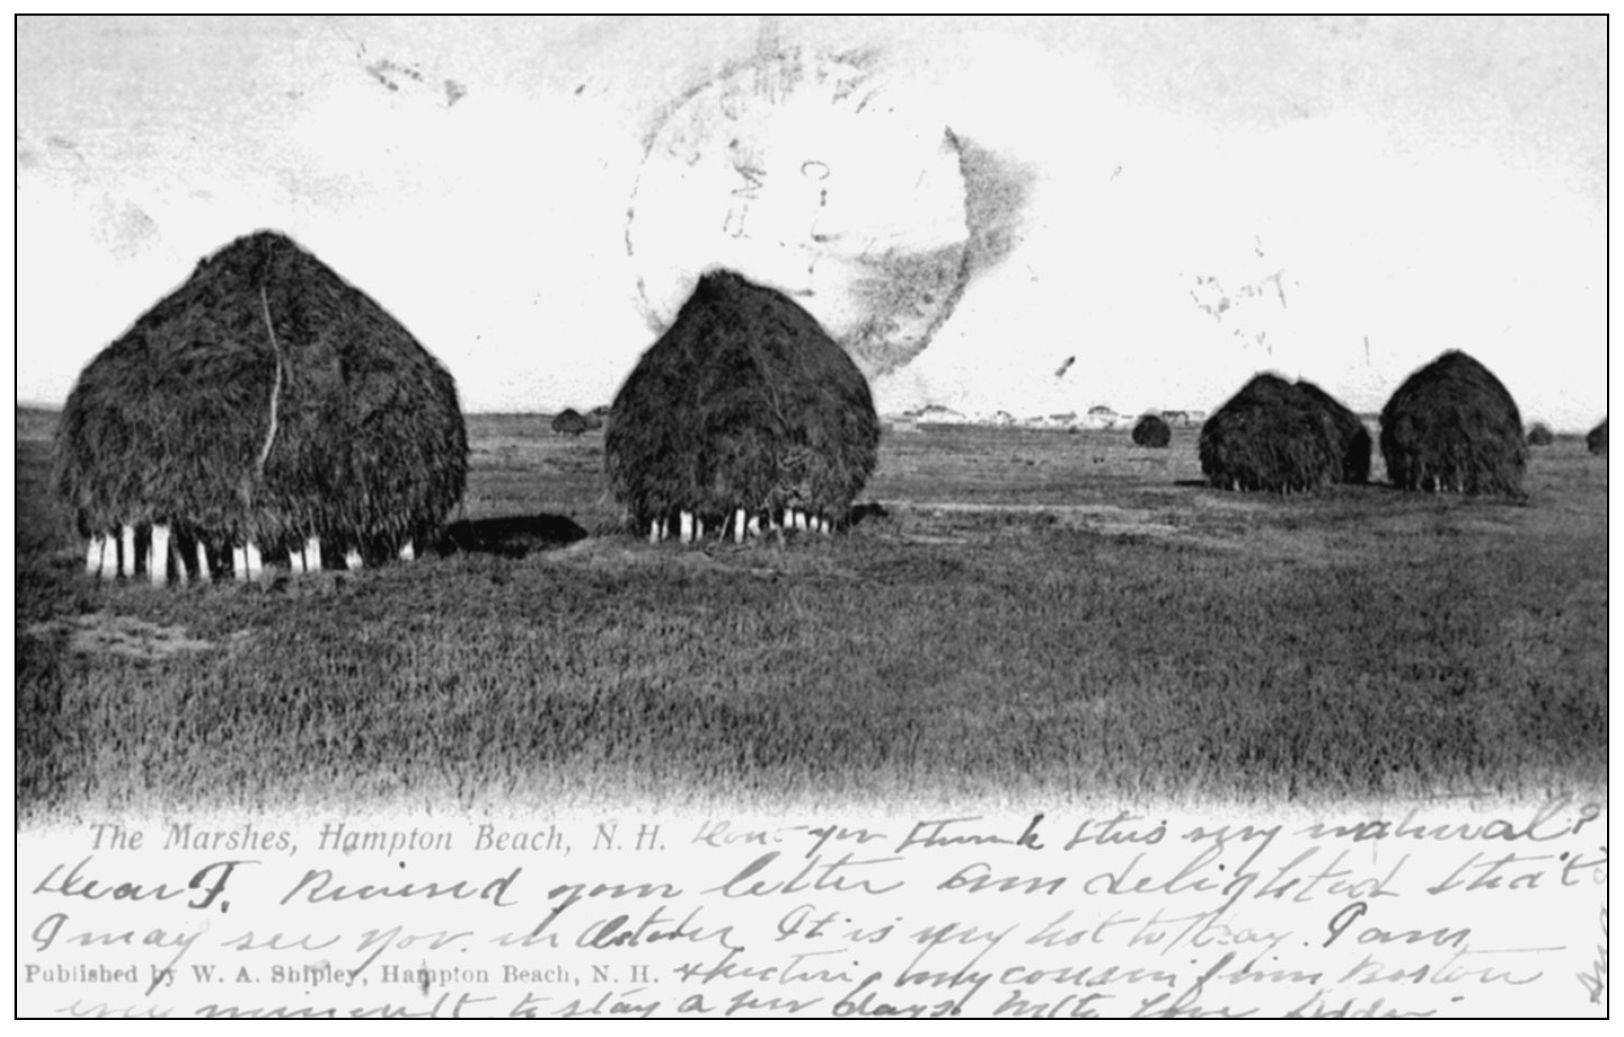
point(1035, 614)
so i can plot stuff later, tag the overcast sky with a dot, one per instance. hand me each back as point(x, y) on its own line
point(1176, 203)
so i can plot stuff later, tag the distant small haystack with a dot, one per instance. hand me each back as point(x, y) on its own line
point(1270, 436)
point(1540, 434)
point(1152, 431)
point(570, 423)
point(743, 410)
point(265, 406)
point(1452, 427)
point(1596, 441)
point(1352, 438)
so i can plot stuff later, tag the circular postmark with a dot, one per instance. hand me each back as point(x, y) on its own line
point(803, 173)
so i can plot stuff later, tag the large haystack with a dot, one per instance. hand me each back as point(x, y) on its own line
point(265, 401)
point(1351, 436)
point(744, 404)
point(1453, 427)
point(1152, 431)
point(1271, 436)
point(1596, 440)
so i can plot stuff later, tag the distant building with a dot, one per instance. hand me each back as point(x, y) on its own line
point(1102, 417)
point(936, 414)
point(1097, 417)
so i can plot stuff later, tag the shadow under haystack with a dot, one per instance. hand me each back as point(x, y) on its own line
point(1282, 438)
point(744, 404)
point(1596, 439)
point(265, 401)
point(1452, 427)
point(1152, 431)
point(509, 536)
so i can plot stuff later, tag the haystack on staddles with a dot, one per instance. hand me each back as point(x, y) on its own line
point(266, 408)
point(1452, 427)
point(1270, 436)
point(745, 411)
point(569, 422)
point(1596, 440)
point(1152, 431)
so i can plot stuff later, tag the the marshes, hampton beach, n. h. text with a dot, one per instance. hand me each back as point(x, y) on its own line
point(1443, 908)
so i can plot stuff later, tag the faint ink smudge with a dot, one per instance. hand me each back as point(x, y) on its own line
point(996, 191)
point(390, 73)
point(901, 296)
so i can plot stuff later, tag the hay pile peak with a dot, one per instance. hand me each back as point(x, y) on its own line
point(1349, 434)
point(570, 422)
point(745, 404)
point(1453, 427)
point(266, 401)
point(1152, 431)
point(1281, 437)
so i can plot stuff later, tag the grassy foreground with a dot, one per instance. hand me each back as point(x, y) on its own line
point(1038, 614)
